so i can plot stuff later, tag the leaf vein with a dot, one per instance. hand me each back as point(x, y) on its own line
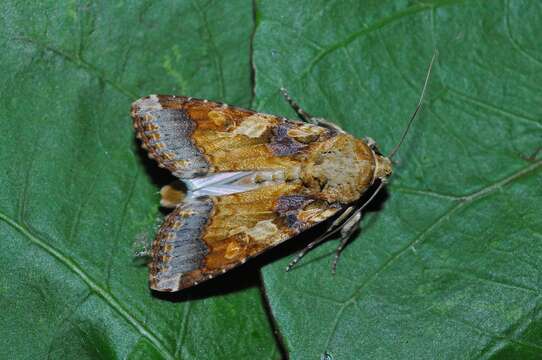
point(513, 41)
point(109, 264)
point(80, 63)
point(182, 329)
point(484, 332)
point(91, 283)
point(494, 108)
point(216, 56)
point(434, 194)
point(381, 23)
point(81, 205)
point(520, 327)
point(420, 238)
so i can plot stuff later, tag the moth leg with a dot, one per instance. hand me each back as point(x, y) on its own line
point(348, 228)
point(307, 248)
point(336, 226)
point(352, 224)
point(306, 117)
point(303, 115)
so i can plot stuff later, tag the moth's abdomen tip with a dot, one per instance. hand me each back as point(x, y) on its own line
point(171, 196)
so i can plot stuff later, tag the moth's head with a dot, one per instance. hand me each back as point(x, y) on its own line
point(383, 168)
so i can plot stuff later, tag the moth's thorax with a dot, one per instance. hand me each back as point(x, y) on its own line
point(341, 169)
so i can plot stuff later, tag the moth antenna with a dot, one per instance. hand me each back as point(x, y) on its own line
point(418, 107)
point(311, 245)
point(373, 195)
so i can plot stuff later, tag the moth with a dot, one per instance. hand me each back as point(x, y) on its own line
point(254, 180)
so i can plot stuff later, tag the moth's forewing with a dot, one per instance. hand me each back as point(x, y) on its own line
point(207, 236)
point(193, 137)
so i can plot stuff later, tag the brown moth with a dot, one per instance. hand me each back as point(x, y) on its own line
point(254, 180)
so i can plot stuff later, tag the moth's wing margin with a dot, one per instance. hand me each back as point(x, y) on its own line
point(165, 131)
point(177, 247)
point(166, 125)
point(207, 236)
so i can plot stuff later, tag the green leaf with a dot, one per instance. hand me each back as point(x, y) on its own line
point(75, 189)
point(447, 264)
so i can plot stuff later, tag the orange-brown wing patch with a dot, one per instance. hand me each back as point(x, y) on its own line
point(193, 137)
point(207, 236)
